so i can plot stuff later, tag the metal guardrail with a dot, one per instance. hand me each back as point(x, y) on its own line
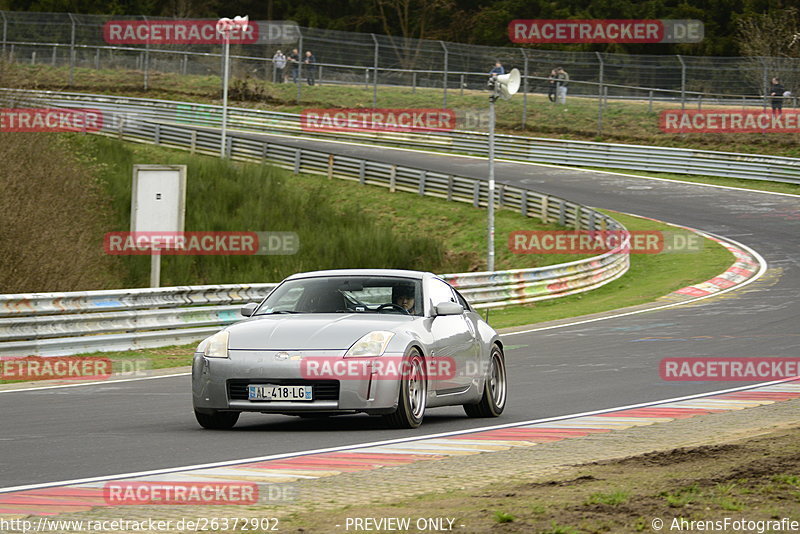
point(69, 323)
point(529, 149)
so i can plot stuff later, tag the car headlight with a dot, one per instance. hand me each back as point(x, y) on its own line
point(372, 344)
point(217, 346)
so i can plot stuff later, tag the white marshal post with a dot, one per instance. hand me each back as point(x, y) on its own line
point(225, 27)
point(502, 86)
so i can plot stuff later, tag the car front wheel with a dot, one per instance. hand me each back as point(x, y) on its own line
point(413, 393)
point(216, 420)
point(493, 401)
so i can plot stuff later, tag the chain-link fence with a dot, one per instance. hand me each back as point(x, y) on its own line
point(64, 39)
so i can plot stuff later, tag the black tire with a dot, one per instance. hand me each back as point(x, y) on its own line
point(413, 393)
point(217, 420)
point(495, 389)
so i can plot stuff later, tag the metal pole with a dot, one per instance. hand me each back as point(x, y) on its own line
point(683, 82)
point(766, 81)
point(72, 52)
point(146, 66)
point(375, 74)
point(444, 75)
point(600, 95)
point(155, 268)
point(299, 68)
point(225, 54)
point(490, 203)
point(524, 89)
point(5, 31)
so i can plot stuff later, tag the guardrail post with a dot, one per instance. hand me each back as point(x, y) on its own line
point(501, 195)
point(476, 194)
point(545, 209)
point(362, 178)
point(297, 156)
point(393, 179)
point(157, 134)
point(592, 221)
point(330, 166)
point(194, 142)
point(444, 75)
point(72, 52)
point(523, 203)
point(578, 215)
point(449, 187)
point(423, 174)
point(375, 73)
point(265, 152)
point(562, 213)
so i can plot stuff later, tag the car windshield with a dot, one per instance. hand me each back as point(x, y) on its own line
point(345, 294)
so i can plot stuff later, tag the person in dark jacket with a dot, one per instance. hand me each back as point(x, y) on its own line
point(309, 62)
point(776, 92)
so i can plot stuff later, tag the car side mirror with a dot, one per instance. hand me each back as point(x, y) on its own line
point(449, 308)
point(248, 309)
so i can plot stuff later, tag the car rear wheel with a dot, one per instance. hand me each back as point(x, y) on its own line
point(217, 420)
point(493, 401)
point(413, 393)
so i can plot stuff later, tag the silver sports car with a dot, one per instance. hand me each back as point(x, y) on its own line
point(378, 341)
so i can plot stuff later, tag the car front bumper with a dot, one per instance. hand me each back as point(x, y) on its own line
point(219, 383)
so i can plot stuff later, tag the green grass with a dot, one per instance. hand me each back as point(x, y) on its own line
point(623, 121)
point(340, 224)
point(610, 499)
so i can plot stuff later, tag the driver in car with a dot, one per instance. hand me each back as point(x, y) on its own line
point(404, 297)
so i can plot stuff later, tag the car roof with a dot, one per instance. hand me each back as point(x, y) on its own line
point(401, 273)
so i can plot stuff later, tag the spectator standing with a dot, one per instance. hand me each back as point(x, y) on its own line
point(497, 70)
point(294, 61)
point(310, 61)
point(551, 85)
point(562, 80)
point(278, 64)
point(776, 92)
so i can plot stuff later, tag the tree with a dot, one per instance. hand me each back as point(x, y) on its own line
point(771, 42)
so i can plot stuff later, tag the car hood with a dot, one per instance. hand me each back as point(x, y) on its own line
point(309, 331)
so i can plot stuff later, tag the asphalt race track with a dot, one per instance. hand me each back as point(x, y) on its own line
point(70, 433)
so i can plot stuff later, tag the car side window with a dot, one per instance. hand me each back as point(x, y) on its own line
point(440, 292)
point(461, 300)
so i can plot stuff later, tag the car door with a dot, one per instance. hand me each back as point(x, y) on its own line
point(454, 343)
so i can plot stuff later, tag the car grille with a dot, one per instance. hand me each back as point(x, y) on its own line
point(321, 389)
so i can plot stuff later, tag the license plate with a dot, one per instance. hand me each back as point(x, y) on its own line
point(283, 393)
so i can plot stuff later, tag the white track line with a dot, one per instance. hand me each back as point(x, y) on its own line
point(377, 443)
